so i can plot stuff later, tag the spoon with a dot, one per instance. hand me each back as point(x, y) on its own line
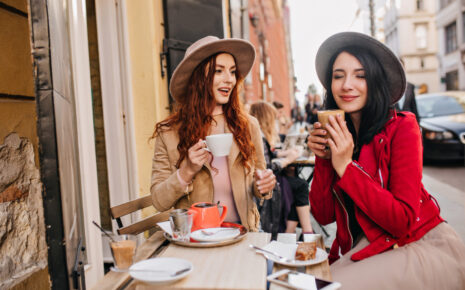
point(170, 273)
point(281, 258)
point(207, 233)
point(103, 231)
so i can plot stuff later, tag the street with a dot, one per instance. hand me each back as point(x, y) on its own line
point(446, 182)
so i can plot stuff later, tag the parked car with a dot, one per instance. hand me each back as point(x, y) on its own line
point(442, 121)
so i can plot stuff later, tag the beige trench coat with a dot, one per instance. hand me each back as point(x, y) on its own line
point(167, 191)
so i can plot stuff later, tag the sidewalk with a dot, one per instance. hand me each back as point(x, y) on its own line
point(450, 199)
point(451, 202)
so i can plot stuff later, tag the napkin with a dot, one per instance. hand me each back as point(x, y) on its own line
point(166, 227)
point(282, 249)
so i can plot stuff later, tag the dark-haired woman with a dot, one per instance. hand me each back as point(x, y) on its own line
point(205, 86)
point(389, 230)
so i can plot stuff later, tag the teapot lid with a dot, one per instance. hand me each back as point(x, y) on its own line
point(204, 204)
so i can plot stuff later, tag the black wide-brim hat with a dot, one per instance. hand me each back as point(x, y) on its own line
point(334, 44)
point(242, 50)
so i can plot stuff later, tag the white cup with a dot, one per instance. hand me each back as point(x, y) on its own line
point(219, 144)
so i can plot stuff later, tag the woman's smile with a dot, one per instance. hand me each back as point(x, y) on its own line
point(348, 98)
point(224, 91)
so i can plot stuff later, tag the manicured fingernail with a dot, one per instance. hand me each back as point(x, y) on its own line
point(324, 132)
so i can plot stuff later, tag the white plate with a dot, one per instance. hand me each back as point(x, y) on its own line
point(166, 265)
point(218, 234)
point(288, 251)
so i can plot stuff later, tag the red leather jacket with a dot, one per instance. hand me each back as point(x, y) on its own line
point(390, 203)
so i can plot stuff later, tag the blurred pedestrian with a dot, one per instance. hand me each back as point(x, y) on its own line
point(296, 114)
point(311, 108)
point(294, 208)
point(205, 86)
point(283, 121)
point(389, 230)
point(407, 102)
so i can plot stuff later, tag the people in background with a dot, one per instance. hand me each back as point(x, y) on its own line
point(299, 209)
point(407, 102)
point(311, 109)
point(206, 86)
point(296, 114)
point(282, 120)
point(389, 230)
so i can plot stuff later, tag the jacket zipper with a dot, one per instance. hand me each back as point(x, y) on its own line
point(381, 177)
point(379, 172)
point(361, 168)
point(347, 218)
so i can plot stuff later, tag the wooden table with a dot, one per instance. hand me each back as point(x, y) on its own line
point(229, 267)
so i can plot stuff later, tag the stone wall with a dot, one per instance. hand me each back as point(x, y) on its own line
point(23, 250)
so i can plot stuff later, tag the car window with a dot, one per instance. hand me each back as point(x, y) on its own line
point(435, 106)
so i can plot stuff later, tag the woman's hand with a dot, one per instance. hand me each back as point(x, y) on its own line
point(265, 180)
point(290, 155)
point(340, 143)
point(195, 159)
point(317, 143)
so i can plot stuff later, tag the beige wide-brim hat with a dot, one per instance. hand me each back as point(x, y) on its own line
point(242, 50)
point(394, 71)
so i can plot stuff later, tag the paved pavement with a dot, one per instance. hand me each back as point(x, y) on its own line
point(451, 200)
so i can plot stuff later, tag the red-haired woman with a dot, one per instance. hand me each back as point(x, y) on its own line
point(205, 86)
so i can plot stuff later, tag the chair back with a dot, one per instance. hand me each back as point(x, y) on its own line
point(140, 226)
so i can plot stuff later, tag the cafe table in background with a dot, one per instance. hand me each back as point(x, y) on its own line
point(234, 266)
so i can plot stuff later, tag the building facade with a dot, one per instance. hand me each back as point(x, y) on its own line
point(451, 43)
point(272, 74)
point(82, 84)
point(410, 31)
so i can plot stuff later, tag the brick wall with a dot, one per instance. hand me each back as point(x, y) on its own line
point(267, 33)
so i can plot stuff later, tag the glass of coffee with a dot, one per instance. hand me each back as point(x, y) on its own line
point(123, 249)
point(323, 118)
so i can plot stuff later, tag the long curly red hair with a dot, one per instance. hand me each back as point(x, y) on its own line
point(193, 116)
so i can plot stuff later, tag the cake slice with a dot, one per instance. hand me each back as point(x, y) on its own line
point(305, 251)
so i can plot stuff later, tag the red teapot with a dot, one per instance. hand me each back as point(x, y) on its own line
point(207, 215)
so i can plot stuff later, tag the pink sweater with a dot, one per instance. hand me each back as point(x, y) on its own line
point(222, 188)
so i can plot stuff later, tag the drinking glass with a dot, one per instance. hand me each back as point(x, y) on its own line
point(123, 249)
point(181, 224)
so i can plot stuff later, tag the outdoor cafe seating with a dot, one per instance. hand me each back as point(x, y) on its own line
point(213, 264)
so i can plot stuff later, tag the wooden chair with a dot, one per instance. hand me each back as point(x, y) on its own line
point(140, 226)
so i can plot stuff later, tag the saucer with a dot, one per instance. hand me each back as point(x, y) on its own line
point(166, 265)
point(288, 251)
point(197, 244)
point(215, 234)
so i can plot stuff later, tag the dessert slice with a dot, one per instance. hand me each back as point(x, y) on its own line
point(305, 251)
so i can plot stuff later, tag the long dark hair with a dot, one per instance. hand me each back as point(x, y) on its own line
point(375, 114)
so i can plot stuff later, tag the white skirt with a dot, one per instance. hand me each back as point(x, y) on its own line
point(436, 261)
